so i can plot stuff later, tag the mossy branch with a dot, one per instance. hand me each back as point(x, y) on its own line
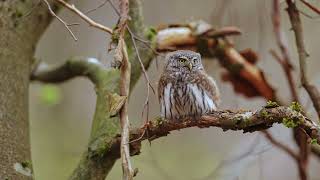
point(247, 121)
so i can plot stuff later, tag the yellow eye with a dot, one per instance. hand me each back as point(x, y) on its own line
point(182, 60)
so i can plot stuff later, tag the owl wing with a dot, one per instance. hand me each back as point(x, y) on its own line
point(161, 85)
point(164, 88)
point(209, 85)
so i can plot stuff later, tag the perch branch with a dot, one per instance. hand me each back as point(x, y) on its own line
point(247, 121)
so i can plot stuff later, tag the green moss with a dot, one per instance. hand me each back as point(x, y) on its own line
point(159, 120)
point(26, 164)
point(290, 123)
point(238, 120)
point(247, 121)
point(115, 37)
point(151, 33)
point(264, 113)
point(271, 104)
point(296, 106)
point(314, 141)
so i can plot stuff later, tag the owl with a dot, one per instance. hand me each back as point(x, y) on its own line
point(184, 88)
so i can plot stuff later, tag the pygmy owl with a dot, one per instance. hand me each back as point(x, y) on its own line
point(185, 89)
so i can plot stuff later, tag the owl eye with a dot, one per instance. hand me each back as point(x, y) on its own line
point(194, 60)
point(182, 60)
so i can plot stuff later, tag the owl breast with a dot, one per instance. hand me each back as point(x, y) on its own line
point(181, 99)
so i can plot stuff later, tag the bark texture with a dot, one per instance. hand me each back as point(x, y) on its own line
point(20, 29)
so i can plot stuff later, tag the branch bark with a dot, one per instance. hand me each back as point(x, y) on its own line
point(247, 121)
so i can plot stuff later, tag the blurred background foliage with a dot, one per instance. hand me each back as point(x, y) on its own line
point(61, 115)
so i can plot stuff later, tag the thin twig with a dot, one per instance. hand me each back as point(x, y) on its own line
point(280, 145)
point(124, 119)
point(62, 21)
point(300, 138)
point(287, 69)
point(309, 5)
point(146, 103)
point(114, 7)
point(285, 60)
point(84, 17)
point(298, 32)
point(96, 8)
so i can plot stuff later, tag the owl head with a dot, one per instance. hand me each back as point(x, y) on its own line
point(183, 61)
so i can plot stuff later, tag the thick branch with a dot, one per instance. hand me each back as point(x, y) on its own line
point(247, 121)
point(79, 66)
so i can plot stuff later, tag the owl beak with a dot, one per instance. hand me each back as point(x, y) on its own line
point(190, 66)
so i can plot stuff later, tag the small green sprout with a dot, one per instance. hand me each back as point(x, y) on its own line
point(290, 123)
point(296, 106)
point(271, 104)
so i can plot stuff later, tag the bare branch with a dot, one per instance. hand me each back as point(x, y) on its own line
point(84, 17)
point(125, 69)
point(280, 145)
point(298, 32)
point(64, 23)
point(100, 5)
point(285, 62)
point(146, 104)
point(313, 8)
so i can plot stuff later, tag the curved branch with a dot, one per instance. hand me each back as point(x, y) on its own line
point(79, 66)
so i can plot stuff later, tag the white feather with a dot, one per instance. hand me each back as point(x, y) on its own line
point(209, 104)
point(197, 94)
point(166, 98)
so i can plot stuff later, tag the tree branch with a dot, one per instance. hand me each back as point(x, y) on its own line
point(105, 124)
point(281, 146)
point(247, 121)
point(84, 17)
point(285, 60)
point(298, 32)
point(73, 67)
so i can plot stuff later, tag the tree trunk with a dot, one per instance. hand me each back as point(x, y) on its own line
point(22, 22)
